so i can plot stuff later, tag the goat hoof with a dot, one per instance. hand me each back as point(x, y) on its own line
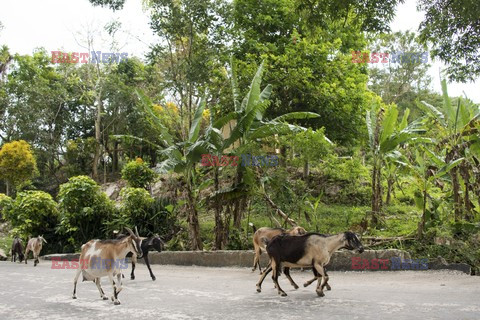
point(74, 297)
point(283, 294)
point(153, 278)
point(320, 294)
point(132, 278)
point(305, 285)
point(116, 303)
point(329, 288)
point(105, 298)
point(295, 287)
point(259, 289)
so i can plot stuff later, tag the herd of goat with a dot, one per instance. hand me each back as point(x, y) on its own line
point(293, 248)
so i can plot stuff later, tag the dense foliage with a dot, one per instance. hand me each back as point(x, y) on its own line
point(84, 209)
point(366, 148)
point(138, 174)
point(17, 163)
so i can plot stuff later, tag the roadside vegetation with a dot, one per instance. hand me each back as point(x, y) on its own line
point(372, 150)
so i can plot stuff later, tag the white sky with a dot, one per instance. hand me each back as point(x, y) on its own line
point(55, 24)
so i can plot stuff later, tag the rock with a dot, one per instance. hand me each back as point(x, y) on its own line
point(112, 189)
point(3, 256)
point(441, 264)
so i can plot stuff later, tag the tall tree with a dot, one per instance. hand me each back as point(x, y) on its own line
point(306, 47)
point(400, 82)
point(452, 29)
point(189, 51)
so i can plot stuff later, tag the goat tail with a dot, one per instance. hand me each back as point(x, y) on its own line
point(253, 227)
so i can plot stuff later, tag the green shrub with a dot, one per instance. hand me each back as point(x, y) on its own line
point(34, 213)
point(84, 209)
point(6, 203)
point(138, 174)
point(149, 215)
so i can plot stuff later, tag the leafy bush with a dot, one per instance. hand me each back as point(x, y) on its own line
point(237, 240)
point(346, 181)
point(138, 174)
point(34, 213)
point(6, 204)
point(84, 209)
point(149, 215)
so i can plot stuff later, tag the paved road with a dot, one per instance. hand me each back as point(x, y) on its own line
point(229, 293)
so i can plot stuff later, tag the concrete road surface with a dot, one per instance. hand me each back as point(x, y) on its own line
point(28, 292)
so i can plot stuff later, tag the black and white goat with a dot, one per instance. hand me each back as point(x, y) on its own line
point(147, 244)
point(309, 250)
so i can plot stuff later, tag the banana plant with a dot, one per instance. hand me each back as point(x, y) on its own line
point(457, 132)
point(429, 169)
point(183, 156)
point(248, 126)
point(386, 134)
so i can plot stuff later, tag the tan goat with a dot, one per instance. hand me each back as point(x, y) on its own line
point(35, 245)
point(266, 234)
point(101, 258)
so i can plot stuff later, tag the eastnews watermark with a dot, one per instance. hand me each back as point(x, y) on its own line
point(395, 263)
point(94, 263)
point(392, 57)
point(246, 160)
point(85, 57)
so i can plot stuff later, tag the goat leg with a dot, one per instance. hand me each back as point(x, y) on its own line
point(115, 295)
point(262, 277)
point(79, 270)
point(276, 271)
point(134, 261)
point(102, 294)
point(321, 279)
point(286, 271)
point(147, 262)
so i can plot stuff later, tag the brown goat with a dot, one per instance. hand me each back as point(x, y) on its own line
point(34, 245)
point(266, 234)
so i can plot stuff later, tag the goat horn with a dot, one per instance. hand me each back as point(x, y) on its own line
point(130, 231)
point(136, 231)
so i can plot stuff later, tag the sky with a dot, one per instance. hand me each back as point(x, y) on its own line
point(64, 24)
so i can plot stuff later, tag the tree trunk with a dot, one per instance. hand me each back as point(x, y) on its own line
point(219, 232)
point(98, 135)
point(193, 224)
point(390, 182)
point(464, 172)
point(457, 201)
point(376, 192)
point(421, 226)
point(306, 170)
point(283, 153)
point(7, 185)
point(115, 157)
